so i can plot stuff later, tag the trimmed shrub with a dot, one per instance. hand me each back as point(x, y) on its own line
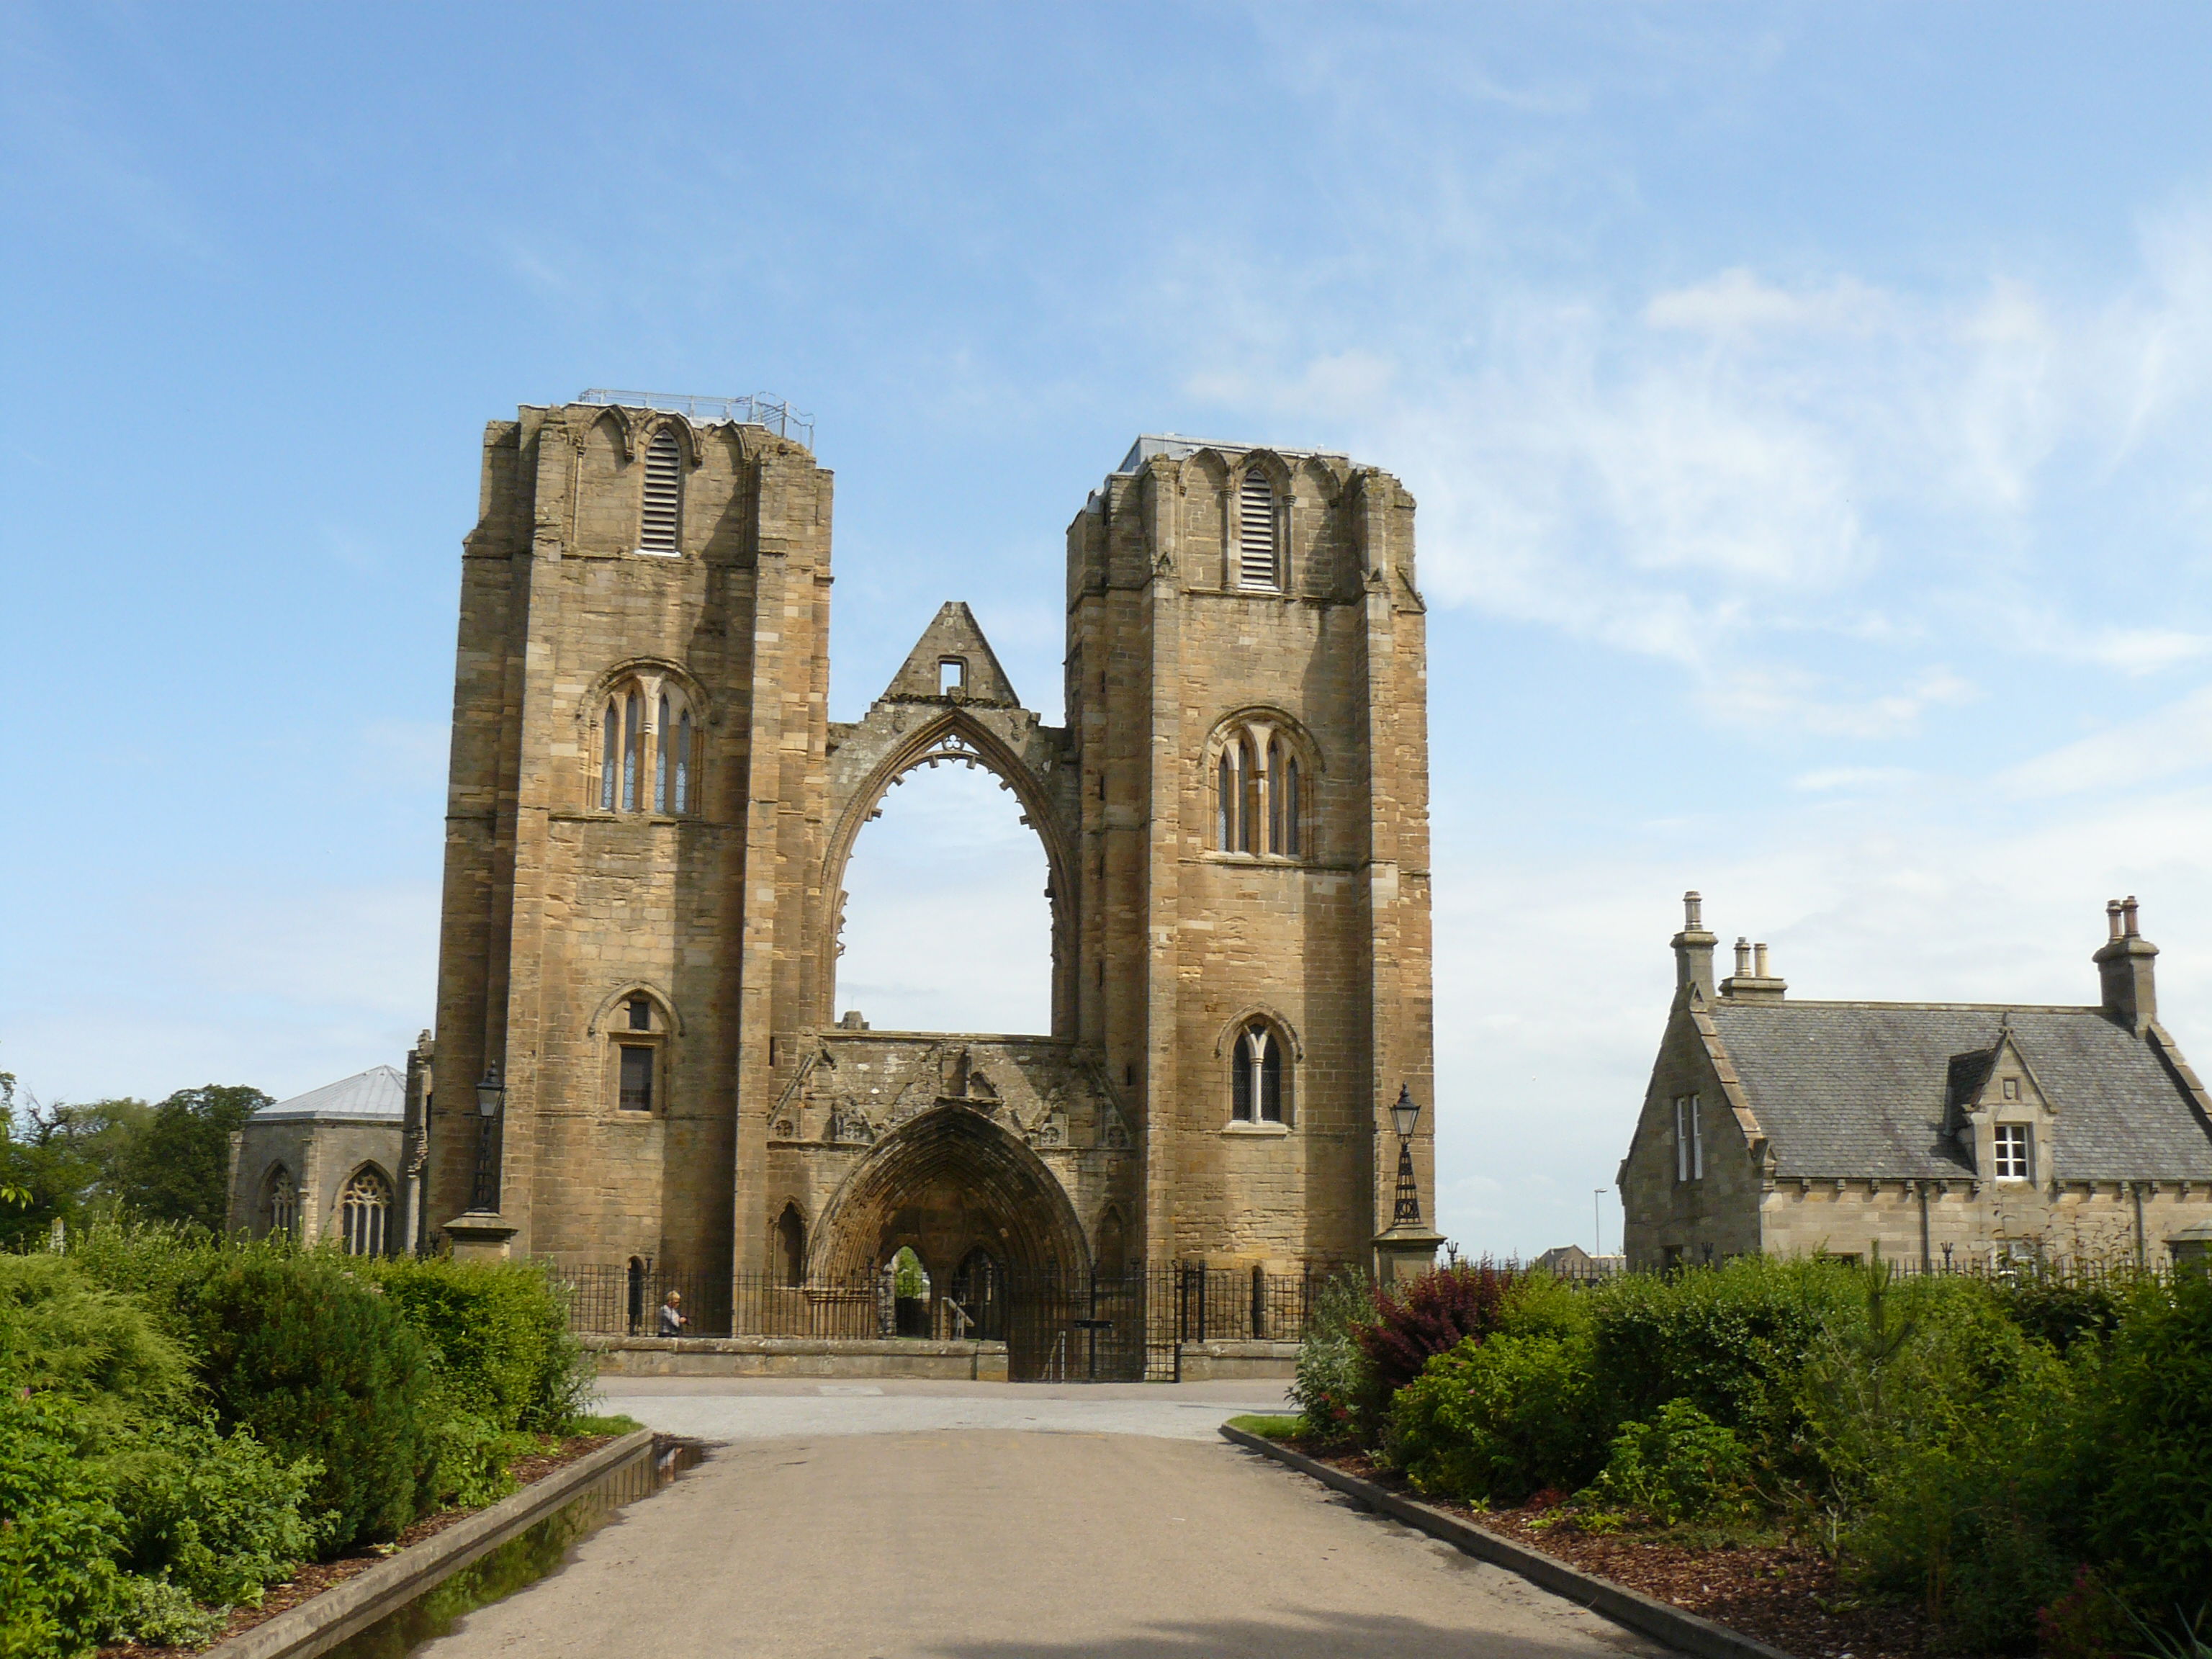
point(1681, 1466)
point(1734, 1341)
point(1497, 1418)
point(1334, 1376)
point(499, 1332)
point(319, 1363)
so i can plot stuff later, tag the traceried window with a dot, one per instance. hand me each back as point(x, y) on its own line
point(2014, 1152)
point(1259, 551)
point(1259, 791)
point(1689, 1138)
point(648, 750)
point(362, 1211)
point(281, 1202)
point(1256, 1080)
point(660, 518)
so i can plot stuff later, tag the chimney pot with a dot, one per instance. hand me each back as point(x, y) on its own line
point(1693, 950)
point(2127, 916)
point(2113, 915)
point(1758, 956)
point(1694, 911)
point(2125, 971)
point(1742, 956)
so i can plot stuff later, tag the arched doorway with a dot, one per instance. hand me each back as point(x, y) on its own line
point(980, 1211)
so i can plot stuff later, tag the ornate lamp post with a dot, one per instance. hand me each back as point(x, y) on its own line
point(1407, 1248)
point(1406, 1117)
point(491, 1096)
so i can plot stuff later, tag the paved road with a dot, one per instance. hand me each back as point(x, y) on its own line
point(993, 1543)
point(752, 1408)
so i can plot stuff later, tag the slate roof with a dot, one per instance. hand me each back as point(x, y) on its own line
point(378, 1095)
point(1865, 1089)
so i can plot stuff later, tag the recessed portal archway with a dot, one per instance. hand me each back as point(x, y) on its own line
point(944, 1184)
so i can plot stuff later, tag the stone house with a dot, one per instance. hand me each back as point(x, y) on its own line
point(1930, 1135)
point(325, 1164)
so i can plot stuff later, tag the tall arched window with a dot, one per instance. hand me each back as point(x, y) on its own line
point(1255, 1082)
point(362, 1210)
point(647, 759)
point(632, 739)
point(1259, 556)
point(661, 517)
point(1259, 788)
point(683, 804)
point(611, 752)
point(280, 1202)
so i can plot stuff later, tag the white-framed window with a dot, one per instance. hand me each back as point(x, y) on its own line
point(362, 1211)
point(1689, 1138)
point(2015, 1151)
point(1258, 1090)
point(648, 749)
point(660, 513)
point(1259, 540)
point(1259, 803)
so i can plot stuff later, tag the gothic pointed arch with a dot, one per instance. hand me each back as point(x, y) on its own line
point(944, 1182)
point(952, 735)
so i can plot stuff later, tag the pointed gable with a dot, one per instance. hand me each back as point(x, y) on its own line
point(953, 635)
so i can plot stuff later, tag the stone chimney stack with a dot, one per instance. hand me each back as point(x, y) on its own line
point(2125, 966)
point(1753, 981)
point(1693, 949)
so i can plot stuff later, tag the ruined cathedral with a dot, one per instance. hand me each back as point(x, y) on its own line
point(639, 1053)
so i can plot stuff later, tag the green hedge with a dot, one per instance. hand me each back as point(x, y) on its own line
point(2000, 1451)
point(185, 1418)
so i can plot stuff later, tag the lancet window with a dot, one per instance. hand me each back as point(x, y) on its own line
point(1256, 1091)
point(1259, 784)
point(649, 747)
point(281, 1202)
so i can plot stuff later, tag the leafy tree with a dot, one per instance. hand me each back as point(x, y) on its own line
point(177, 1168)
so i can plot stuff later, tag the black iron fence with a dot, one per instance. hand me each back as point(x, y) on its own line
point(1104, 1326)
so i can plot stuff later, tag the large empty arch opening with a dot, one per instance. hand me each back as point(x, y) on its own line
point(947, 927)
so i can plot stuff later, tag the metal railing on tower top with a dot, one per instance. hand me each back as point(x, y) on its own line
point(756, 409)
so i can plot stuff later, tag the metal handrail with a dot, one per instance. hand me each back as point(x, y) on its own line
point(756, 409)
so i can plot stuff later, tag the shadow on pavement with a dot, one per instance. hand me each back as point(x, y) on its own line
point(1315, 1634)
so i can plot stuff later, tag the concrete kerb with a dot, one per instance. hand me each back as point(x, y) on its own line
point(1640, 1612)
point(323, 1621)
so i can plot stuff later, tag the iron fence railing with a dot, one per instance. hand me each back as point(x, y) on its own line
point(1122, 1325)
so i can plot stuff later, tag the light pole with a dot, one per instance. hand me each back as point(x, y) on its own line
point(1597, 1220)
point(1405, 1117)
point(491, 1096)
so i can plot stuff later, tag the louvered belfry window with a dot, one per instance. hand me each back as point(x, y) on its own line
point(1257, 563)
point(664, 493)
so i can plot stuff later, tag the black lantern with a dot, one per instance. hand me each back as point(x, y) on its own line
point(491, 1096)
point(1405, 1115)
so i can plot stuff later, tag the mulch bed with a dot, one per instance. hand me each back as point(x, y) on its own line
point(1786, 1594)
point(316, 1577)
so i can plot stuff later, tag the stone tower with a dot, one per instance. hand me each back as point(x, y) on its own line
point(638, 1053)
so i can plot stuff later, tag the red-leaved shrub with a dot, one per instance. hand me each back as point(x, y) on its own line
point(1433, 1314)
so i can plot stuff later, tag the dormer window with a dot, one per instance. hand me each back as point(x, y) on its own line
point(1259, 551)
point(660, 517)
point(2015, 1153)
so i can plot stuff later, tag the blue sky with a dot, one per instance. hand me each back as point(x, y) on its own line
point(1810, 411)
